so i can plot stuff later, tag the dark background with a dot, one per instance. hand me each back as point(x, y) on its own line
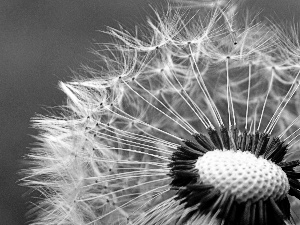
point(40, 42)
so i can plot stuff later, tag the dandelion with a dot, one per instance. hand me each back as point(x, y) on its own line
point(193, 121)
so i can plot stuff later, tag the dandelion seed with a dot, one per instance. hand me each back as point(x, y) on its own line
point(192, 124)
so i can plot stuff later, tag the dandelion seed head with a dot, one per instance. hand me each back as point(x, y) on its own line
point(194, 121)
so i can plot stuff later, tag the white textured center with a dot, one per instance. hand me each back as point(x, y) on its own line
point(243, 175)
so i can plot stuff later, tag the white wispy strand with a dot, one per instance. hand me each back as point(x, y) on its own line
point(104, 158)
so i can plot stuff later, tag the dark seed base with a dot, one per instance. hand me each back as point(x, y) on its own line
point(206, 199)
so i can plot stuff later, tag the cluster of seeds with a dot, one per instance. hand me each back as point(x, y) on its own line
point(190, 122)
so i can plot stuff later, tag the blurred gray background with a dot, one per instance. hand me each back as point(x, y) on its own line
point(40, 42)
